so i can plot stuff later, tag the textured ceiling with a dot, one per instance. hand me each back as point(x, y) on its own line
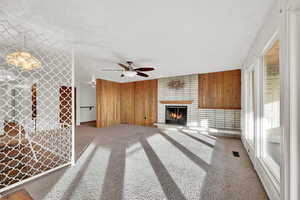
point(176, 37)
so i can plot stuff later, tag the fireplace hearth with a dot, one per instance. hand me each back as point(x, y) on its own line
point(176, 115)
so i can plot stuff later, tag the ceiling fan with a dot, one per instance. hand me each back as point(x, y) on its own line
point(129, 71)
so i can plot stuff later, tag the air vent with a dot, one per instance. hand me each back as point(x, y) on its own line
point(236, 154)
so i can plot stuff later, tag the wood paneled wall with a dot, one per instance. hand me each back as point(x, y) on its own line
point(126, 103)
point(220, 90)
point(145, 102)
point(107, 103)
point(152, 117)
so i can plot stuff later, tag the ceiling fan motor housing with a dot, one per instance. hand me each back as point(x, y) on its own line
point(129, 62)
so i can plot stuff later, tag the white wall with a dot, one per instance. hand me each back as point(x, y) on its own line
point(87, 97)
point(291, 117)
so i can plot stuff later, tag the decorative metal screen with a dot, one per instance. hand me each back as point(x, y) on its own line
point(35, 105)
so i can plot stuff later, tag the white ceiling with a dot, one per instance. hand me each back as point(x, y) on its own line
point(176, 36)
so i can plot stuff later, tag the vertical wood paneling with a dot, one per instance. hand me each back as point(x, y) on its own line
point(107, 103)
point(237, 89)
point(228, 89)
point(140, 102)
point(127, 103)
point(145, 102)
point(232, 87)
point(220, 90)
point(152, 103)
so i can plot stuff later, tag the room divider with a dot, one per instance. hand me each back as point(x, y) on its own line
point(36, 78)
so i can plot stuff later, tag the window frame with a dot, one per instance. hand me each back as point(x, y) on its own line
point(267, 164)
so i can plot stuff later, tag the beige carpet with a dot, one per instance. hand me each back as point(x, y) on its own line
point(136, 163)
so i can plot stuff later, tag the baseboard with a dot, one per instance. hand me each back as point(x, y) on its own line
point(265, 178)
point(250, 150)
point(88, 121)
point(267, 182)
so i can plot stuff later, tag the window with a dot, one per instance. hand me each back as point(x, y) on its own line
point(271, 109)
point(251, 107)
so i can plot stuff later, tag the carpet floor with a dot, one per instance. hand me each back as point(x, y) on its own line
point(145, 163)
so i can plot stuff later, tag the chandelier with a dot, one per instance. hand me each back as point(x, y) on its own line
point(23, 59)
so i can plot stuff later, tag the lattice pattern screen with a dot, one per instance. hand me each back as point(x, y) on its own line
point(35, 105)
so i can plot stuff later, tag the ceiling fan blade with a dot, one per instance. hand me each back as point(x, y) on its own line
point(144, 69)
point(124, 66)
point(142, 74)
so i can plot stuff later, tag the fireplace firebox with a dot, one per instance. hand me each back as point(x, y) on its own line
point(176, 115)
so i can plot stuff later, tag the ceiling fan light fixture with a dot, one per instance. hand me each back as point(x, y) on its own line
point(130, 73)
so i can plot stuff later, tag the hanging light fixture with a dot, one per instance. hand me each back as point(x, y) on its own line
point(130, 73)
point(23, 59)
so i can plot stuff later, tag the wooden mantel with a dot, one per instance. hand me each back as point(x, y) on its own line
point(176, 102)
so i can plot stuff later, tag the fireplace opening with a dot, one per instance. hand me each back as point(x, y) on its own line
point(176, 115)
